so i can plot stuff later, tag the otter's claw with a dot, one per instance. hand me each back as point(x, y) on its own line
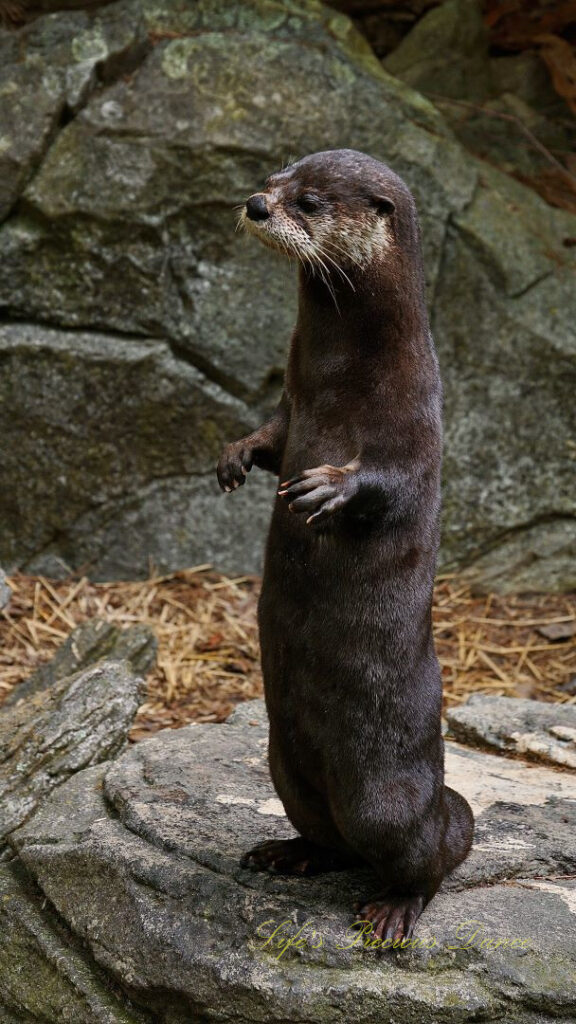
point(235, 462)
point(393, 917)
point(319, 492)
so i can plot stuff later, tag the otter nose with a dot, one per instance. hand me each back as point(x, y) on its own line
point(256, 208)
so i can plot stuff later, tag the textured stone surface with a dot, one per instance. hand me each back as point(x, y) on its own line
point(539, 557)
point(44, 974)
point(66, 723)
point(181, 162)
point(79, 721)
point(545, 732)
point(5, 592)
point(509, 380)
point(48, 70)
point(140, 859)
point(90, 642)
point(502, 109)
point(116, 460)
point(121, 239)
point(446, 53)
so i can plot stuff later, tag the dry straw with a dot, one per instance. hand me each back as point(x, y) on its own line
point(208, 646)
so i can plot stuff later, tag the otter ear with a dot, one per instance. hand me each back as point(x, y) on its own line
point(384, 205)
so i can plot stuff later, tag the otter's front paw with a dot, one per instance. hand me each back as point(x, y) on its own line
point(320, 491)
point(235, 462)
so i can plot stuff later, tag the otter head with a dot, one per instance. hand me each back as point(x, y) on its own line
point(334, 211)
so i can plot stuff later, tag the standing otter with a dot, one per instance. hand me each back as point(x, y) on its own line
point(352, 682)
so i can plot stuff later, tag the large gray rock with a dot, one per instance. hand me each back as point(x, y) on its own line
point(179, 156)
point(544, 732)
point(90, 642)
point(44, 974)
point(79, 721)
point(503, 109)
point(446, 52)
point(48, 70)
point(140, 860)
point(128, 436)
point(509, 379)
point(126, 228)
point(66, 723)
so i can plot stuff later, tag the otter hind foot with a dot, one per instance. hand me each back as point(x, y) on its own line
point(392, 916)
point(293, 857)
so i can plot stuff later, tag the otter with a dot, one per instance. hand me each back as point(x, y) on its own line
point(351, 678)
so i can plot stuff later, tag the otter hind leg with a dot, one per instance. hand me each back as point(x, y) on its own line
point(392, 916)
point(296, 856)
point(319, 846)
point(414, 873)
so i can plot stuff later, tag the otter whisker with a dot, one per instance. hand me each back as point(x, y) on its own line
point(316, 263)
point(340, 250)
point(344, 252)
point(326, 279)
point(324, 250)
point(337, 268)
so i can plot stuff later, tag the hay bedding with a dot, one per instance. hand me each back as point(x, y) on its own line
point(521, 646)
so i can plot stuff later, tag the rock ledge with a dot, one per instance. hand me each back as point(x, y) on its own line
point(140, 860)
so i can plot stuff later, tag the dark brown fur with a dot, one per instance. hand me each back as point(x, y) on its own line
point(352, 682)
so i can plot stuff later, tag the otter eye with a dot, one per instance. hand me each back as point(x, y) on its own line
point(308, 203)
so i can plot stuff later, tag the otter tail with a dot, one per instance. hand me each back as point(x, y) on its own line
point(460, 832)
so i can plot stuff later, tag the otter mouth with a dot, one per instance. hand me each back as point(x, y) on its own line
point(319, 259)
point(282, 235)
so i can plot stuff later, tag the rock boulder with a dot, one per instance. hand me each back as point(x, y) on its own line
point(140, 860)
point(543, 732)
point(44, 973)
point(140, 331)
point(79, 721)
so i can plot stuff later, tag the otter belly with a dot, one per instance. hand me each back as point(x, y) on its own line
point(348, 663)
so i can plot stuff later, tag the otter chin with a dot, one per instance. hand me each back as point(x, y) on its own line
point(351, 678)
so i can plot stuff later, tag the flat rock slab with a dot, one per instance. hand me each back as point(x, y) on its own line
point(45, 975)
point(141, 860)
point(79, 721)
point(545, 732)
